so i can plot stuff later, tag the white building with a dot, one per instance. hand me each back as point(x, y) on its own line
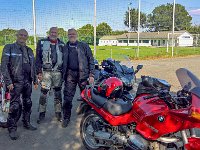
point(185, 39)
point(108, 41)
point(182, 38)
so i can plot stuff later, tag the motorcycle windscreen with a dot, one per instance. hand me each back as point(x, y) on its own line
point(188, 81)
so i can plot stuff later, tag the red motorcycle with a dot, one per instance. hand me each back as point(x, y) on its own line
point(152, 120)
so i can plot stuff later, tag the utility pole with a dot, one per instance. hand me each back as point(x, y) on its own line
point(34, 24)
point(129, 22)
point(168, 42)
point(129, 16)
point(95, 30)
point(174, 7)
point(138, 44)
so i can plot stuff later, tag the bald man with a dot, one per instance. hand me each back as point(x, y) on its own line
point(18, 69)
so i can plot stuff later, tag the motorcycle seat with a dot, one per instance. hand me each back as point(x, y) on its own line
point(115, 107)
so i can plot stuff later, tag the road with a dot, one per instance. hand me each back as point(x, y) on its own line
point(51, 136)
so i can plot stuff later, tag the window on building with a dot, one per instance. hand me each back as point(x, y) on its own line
point(145, 41)
point(120, 41)
point(163, 42)
point(186, 37)
point(159, 42)
point(125, 41)
point(131, 41)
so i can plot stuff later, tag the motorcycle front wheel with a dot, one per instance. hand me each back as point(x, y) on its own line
point(86, 131)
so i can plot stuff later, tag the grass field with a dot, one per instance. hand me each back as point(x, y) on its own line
point(119, 52)
point(145, 52)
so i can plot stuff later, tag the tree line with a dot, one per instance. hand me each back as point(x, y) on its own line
point(86, 34)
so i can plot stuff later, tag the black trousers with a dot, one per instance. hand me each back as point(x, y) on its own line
point(22, 90)
point(71, 81)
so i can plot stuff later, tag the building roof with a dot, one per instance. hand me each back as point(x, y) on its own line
point(145, 35)
point(109, 37)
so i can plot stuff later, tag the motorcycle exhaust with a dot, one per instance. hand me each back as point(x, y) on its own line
point(134, 142)
point(115, 139)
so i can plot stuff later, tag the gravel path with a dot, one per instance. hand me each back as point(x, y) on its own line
point(51, 136)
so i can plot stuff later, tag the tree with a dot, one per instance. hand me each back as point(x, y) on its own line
point(161, 18)
point(194, 29)
point(30, 40)
point(86, 33)
point(103, 29)
point(118, 32)
point(134, 19)
point(7, 36)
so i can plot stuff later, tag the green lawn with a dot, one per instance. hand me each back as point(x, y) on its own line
point(145, 52)
point(120, 52)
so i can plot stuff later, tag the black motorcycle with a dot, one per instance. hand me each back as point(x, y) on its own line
point(113, 68)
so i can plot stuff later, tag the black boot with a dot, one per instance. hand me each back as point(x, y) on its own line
point(67, 106)
point(66, 118)
point(65, 122)
point(41, 117)
point(26, 121)
point(29, 126)
point(13, 135)
point(58, 116)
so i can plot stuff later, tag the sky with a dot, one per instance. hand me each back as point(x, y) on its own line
point(17, 14)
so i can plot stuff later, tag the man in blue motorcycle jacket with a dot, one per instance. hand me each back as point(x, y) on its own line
point(18, 70)
point(78, 68)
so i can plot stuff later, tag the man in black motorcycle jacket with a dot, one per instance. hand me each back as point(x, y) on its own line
point(78, 68)
point(18, 70)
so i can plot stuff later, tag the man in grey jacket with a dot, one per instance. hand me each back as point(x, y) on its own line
point(18, 70)
point(49, 66)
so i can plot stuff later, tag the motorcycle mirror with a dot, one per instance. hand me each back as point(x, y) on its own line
point(139, 67)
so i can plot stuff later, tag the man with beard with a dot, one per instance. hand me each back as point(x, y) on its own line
point(78, 68)
point(49, 65)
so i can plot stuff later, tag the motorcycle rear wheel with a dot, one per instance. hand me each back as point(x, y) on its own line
point(86, 127)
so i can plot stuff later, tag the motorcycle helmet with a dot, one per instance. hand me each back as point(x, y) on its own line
point(111, 88)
